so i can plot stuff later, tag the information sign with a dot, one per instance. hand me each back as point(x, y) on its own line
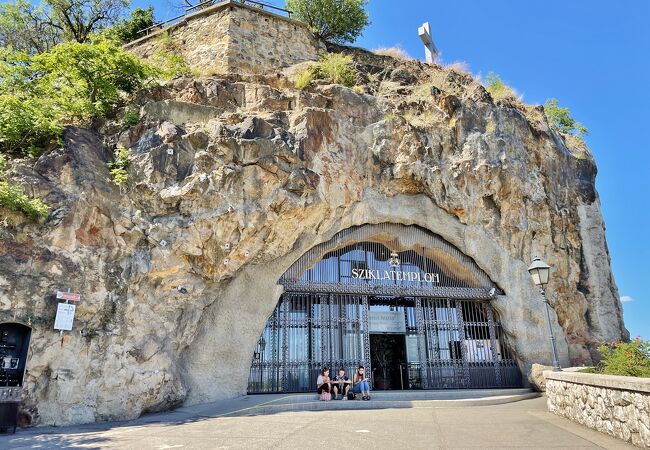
point(64, 316)
point(70, 296)
point(386, 322)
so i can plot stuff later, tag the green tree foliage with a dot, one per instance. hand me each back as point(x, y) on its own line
point(127, 30)
point(13, 198)
point(498, 89)
point(70, 83)
point(560, 119)
point(337, 21)
point(119, 165)
point(27, 28)
point(98, 73)
point(626, 358)
point(333, 67)
point(79, 19)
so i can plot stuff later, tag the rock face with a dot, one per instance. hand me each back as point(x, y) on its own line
point(232, 179)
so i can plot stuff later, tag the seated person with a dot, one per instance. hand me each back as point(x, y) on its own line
point(323, 383)
point(361, 384)
point(342, 383)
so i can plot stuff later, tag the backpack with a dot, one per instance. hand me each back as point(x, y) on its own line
point(352, 396)
point(325, 396)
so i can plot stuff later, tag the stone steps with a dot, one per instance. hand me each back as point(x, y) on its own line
point(389, 399)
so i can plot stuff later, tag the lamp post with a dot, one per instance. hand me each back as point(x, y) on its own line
point(539, 271)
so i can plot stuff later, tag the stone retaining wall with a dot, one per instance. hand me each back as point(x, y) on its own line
point(618, 406)
point(230, 37)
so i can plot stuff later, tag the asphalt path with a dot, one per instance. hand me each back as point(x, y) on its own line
point(523, 424)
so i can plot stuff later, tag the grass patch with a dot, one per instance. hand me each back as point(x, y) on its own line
point(13, 198)
point(498, 89)
point(333, 67)
point(421, 120)
point(396, 52)
point(459, 67)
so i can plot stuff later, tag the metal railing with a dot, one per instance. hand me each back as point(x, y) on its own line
point(160, 25)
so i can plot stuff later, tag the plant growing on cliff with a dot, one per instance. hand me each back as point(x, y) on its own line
point(396, 52)
point(71, 83)
point(337, 21)
point(168, 58)
point(131, 116)
point(626, 358)
point(333, 67)
point(12, 197)
point(498, 89)
point(560, 119)
point(118, 167)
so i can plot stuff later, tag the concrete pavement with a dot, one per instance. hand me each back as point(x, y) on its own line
point(524, 424)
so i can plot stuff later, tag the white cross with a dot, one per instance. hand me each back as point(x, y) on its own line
point(430, 50)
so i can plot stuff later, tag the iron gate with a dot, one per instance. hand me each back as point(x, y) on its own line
point(459, 342)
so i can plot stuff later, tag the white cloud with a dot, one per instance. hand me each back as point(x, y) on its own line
point(626, 298)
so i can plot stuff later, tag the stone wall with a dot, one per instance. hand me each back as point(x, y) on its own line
point(231, 38)
point(618, 406)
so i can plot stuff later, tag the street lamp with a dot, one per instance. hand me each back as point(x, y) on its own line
point(539, 271)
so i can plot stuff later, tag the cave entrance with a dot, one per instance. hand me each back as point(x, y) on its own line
point(399, 300)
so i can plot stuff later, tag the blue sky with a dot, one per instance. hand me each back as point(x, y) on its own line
point(594, 56)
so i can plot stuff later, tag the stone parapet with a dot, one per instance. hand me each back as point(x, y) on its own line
point(615, 405)
point(230, 37)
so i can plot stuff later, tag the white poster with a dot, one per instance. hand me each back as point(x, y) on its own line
point(386, 322)
point(64, 316)
point(478, 350)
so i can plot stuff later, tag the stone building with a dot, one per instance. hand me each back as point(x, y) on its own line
point(267, 231)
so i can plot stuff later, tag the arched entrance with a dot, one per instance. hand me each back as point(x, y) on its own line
point(403, 302)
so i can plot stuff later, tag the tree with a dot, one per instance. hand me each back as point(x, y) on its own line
point(27, 28)
point(127, 30)
point(78, 19)
point(337, 21)
point(70, 83)
point(560, 119)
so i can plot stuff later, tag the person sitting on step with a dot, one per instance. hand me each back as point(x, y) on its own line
point(324, 385)
point(342, 384)
point(361, 384)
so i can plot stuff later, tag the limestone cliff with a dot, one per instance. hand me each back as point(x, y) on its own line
point(232, 178)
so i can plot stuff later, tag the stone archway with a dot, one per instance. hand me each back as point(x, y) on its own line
point(376, 280)
point(216, 365)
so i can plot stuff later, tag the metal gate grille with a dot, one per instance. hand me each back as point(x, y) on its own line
point(459, 343)
point(305, 333)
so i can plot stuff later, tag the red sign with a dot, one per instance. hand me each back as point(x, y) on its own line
point(71, 296)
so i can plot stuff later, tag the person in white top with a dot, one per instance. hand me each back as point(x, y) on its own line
point(323, 383)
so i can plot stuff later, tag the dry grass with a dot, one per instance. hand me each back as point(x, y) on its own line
point(396, 52)
point(459, 66)
point(419, 120)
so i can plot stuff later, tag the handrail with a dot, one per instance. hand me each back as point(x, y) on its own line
point(159, 25)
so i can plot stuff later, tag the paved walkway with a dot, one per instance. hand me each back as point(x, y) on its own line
point(524, 424)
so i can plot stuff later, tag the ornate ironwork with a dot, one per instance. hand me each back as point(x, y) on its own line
point(323, 317)
point(460, 344)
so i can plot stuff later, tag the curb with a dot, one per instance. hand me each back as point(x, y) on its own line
point(273, 408)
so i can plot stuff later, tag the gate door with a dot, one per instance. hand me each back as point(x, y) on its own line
point(305, 333)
